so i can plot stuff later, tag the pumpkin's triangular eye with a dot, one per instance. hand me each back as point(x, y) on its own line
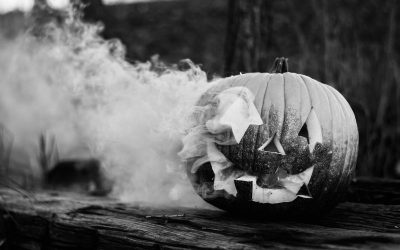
point(311, 130)
point(272, 145)
point(304, 132)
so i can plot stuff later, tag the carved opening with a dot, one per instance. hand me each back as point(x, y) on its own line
point(304, 132)
point(311, 130)
point(273, 145)
point(271, 148)
point(304, 192)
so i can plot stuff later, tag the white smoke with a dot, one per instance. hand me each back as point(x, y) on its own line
point(78, 87)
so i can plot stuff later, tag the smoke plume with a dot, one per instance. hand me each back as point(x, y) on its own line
point(70, 83)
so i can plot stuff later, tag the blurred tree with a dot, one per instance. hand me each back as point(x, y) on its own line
point(243, 44)
point(94, 10)
point(353, 45)
point(175, 30)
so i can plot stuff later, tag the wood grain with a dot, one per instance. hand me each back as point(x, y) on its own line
point(70, 221)
point(375, 191)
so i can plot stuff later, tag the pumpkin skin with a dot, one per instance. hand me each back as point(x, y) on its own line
point(311, 127)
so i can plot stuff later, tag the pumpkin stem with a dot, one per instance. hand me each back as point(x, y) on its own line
point(280, 65)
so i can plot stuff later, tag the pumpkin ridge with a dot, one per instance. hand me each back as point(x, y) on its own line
point(354, 129)
point(346, 135)
point(320, 89)
point(293, 101)
point(303, 118)
point(332, 188)
point(347, 168)
point(284, 106)
point(307, 87)
point(301, 105)
point(242, 146)
point(261, 112)
point(279, 109)
point(316, 100)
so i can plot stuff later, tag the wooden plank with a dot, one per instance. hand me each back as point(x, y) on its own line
point(375, 191)
point(70, 221)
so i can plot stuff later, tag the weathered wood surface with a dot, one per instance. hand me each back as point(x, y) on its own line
point(375, 191)
point(69, 221)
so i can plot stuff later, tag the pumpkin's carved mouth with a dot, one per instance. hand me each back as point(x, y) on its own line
point(290, 188)
point(271, 188)
point(285, 190)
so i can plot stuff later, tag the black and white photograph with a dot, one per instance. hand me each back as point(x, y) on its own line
point(199, 124)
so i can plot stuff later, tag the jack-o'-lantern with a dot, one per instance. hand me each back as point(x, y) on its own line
point(271, 144)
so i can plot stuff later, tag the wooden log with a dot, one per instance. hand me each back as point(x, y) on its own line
point(70, 221)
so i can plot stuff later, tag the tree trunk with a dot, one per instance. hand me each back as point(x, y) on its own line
point(243, 36)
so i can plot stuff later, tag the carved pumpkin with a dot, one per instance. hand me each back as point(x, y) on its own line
point(279, 144)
